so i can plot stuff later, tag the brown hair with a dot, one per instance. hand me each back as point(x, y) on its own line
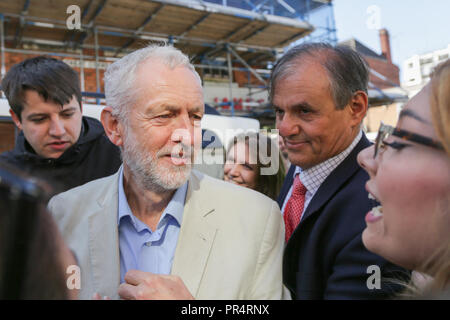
point(347, 70)
point(270, 184)
point(53, 79)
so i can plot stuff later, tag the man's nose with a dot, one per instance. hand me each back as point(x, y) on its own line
point(367, 161)
point(56, 127)
point(287, 126)
point(184, 131)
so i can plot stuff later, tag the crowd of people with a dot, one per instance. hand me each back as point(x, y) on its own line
point(127, 209)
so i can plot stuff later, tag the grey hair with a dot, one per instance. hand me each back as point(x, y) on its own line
point(120, 76)
point(347, 71)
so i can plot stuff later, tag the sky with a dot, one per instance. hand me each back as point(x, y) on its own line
point(415, 26)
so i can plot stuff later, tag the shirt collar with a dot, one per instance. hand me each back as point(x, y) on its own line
point(313, 177)
point(175, 207)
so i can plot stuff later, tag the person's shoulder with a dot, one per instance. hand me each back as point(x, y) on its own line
point(92, 121)
point(234, 199)
point(71, 207)
point(12, 159)
point(237, 207)
point(347, 206)
point(93, 129)
point(6, 156)
point(85, 192)
point(228, 190)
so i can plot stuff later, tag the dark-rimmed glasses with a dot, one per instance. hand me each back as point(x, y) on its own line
point(386, 130)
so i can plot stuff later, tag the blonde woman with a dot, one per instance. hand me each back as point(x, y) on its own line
point(409, 169)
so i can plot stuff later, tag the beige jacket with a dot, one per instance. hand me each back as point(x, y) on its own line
point(230, 244)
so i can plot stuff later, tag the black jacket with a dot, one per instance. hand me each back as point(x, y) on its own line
point(325, 257)
point(92, 157)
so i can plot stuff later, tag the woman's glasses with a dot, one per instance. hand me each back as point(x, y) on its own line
point(386, 130)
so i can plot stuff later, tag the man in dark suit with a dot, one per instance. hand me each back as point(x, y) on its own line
point(319, 93)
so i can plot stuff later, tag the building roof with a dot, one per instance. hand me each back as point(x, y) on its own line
point(361, 48)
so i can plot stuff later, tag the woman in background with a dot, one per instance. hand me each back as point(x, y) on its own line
point(254, 161)
point(409, 169)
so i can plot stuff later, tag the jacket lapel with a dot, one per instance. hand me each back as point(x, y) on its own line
point(196, 236)
point(104, 242)
point(335, 180)
point(286, 186)
point(327, 190)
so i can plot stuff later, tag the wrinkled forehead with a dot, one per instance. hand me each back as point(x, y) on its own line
point(158, 85)
point(156, 71)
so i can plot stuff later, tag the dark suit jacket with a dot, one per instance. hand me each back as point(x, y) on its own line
point(325, 257)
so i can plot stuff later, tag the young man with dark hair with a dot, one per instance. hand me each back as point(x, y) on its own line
point(56, 142)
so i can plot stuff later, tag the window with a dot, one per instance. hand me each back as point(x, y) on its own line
point(427, 60)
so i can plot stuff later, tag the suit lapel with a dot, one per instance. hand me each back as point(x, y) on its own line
point(335, 180)
point(286, 186)
point(326, 191)
point(104, 242)
point(196, 236)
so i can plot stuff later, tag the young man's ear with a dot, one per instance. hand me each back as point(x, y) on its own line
point(15, 119)
point(358, 107)
point(113, 128)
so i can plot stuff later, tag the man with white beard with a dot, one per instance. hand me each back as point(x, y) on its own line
point(157, 229)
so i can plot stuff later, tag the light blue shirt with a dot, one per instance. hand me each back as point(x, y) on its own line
point(142, 249)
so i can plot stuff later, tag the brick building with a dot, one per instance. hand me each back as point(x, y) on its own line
point(385, 94)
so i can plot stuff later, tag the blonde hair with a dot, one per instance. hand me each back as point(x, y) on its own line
point(438, 264)
point(440, 112)
point(440, 102)
point(437, 268)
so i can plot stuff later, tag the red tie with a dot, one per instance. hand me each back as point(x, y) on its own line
point(294, 207)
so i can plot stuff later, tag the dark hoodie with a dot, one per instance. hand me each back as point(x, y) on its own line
point(92, 157)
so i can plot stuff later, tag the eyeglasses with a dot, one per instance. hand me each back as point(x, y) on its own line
point(386, 130)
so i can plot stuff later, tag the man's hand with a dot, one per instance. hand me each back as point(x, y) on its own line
point(140, 285)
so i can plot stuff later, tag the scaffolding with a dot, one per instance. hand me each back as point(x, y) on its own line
point(222, 37)
point(318, 13)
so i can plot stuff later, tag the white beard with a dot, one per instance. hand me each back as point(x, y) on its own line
point(144, 167)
